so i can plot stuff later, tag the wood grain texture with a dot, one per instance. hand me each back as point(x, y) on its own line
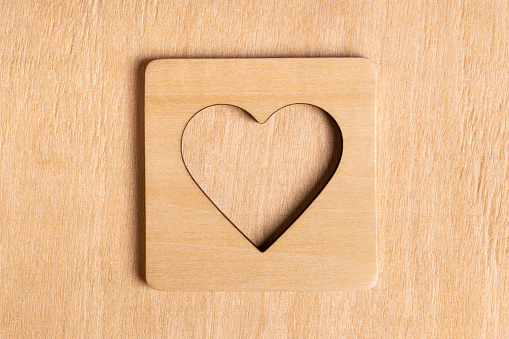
point(71, 174)
point(262, 175)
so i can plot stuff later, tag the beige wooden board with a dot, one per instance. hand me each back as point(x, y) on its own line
point(71, 166)
point(191, 245)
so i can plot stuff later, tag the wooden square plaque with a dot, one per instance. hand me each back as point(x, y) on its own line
point(191, 245)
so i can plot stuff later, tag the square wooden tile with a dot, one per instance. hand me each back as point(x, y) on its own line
point(191, 246)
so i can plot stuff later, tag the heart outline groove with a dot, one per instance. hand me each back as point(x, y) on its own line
point(319, 122)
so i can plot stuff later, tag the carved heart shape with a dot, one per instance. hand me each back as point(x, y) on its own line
point(262, 176)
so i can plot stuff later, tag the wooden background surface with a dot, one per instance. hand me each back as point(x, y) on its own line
point(71, 174)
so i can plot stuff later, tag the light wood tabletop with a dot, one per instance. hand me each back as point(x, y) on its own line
point(72, 216)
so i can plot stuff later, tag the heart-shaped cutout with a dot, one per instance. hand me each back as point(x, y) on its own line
point(262, 176)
